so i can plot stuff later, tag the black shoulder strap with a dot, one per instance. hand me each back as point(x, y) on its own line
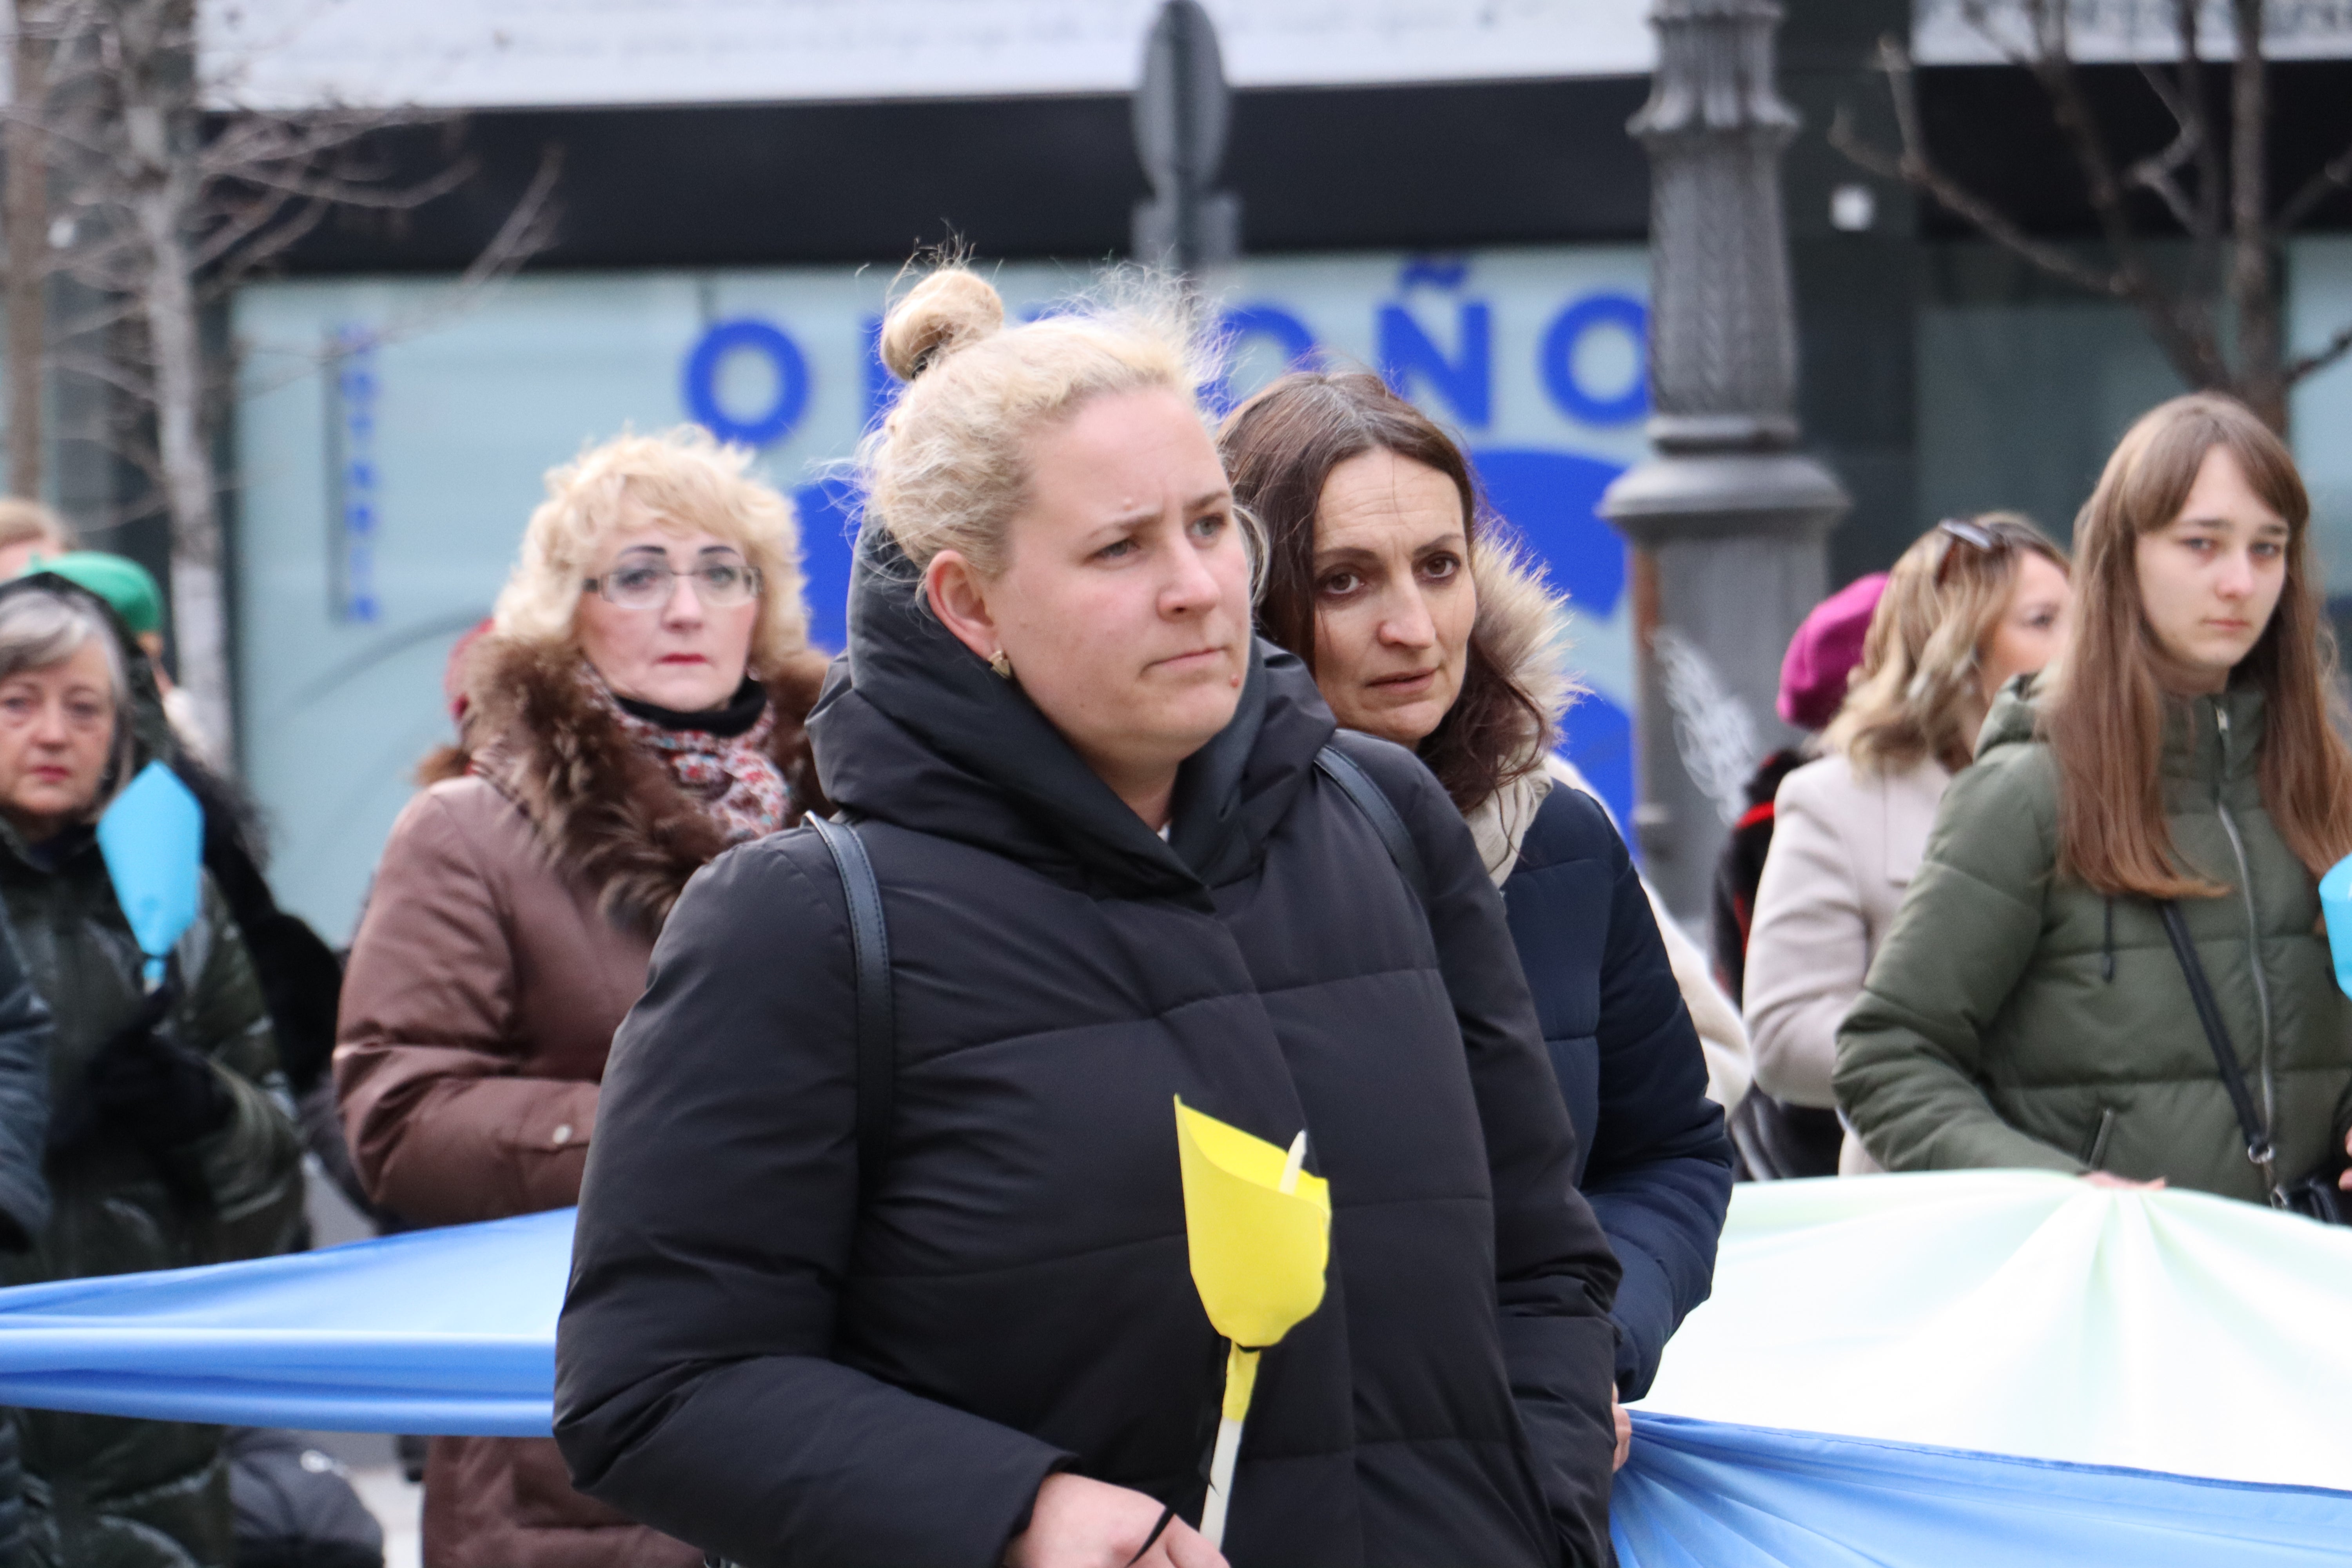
point(877, 1026)
point(2217, 1035)
point(1373, 801)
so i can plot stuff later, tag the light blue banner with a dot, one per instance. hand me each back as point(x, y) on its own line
point(435, 1331)
point(454, 1331)
point(1697, 1494)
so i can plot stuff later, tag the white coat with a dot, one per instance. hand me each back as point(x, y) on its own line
point(1844, 848)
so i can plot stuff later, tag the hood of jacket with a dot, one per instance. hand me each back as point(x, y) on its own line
point(914, 729)
point(605, 808)
point(2013, 717)
point(2198, 752)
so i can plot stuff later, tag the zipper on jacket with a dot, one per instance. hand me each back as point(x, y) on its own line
point(2254, 920)
point(2096, 1156)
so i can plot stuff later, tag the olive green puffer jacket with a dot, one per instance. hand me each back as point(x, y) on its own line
point(102, 1492)
point(2015, 1018)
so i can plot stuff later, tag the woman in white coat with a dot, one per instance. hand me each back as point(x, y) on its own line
point(1974, 604)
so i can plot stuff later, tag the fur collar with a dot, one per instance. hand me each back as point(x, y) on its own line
point(1523, 622)
point(604, 810)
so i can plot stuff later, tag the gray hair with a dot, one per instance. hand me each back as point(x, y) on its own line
point(40, 627)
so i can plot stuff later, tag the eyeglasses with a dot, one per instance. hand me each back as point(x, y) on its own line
point(721, 582)
point(1960, 531)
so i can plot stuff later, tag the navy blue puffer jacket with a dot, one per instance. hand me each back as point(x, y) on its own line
point(1655, 1163)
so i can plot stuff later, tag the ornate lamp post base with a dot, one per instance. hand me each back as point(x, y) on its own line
point(1728, 556)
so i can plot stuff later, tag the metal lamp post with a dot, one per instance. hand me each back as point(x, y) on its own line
point(1726, 521)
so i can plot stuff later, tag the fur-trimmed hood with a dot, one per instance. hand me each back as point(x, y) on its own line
point(603, 808)
point(1523, 621)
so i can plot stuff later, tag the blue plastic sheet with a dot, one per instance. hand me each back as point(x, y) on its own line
point(454, 1331)
point(436, 1331)
point(1697, 1494)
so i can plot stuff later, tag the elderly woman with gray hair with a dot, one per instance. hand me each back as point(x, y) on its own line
point(172, 1142)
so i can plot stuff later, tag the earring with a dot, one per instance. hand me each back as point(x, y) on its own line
point(1001, 662)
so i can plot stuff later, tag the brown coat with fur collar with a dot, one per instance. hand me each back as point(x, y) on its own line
point(508, 934)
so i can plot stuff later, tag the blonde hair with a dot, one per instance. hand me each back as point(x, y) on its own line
point(1916, 694)
point(682, 481)
point(24, 522)
point(948, 469)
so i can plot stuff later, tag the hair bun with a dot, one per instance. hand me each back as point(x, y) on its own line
point(951, 308)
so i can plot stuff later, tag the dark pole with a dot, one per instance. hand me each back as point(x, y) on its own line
point(1180, 112)
point(1727, 519)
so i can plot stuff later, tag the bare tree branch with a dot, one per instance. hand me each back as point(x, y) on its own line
point(166, 207)
point(528, 230)
point(2333, 176)
point(2205, 272)
point(2183, 96)
point(2320, 358)
point(1914, 166)
point(108, 369)
point(2189, 344)
point(2179, 323)
point(2253, 292)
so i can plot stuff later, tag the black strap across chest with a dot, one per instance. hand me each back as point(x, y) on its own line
point(1373, 801)
point(878, 1023)
point(2259, 1149)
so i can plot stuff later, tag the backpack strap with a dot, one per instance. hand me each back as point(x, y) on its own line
point(2217, 1035)
point(877, 1025)
point(1373, 801)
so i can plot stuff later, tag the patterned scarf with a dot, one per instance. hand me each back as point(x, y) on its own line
point(732, 777)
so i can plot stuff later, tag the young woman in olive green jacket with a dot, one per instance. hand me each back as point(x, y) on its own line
point(2027, 1008)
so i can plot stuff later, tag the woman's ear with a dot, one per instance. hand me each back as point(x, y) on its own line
point(959, 600)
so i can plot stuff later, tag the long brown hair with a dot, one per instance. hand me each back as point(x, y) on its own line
point(1279, 447)
point(2105, 719)
point(1916, 693)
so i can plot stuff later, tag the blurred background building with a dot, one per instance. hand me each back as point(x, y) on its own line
point(1444, 190)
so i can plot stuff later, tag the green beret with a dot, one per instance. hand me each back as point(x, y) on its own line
point(121, 582)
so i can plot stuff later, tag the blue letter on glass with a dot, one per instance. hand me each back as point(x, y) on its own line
point(702, 381)
point(1467, 383)
point(1559, 363)
point(1256, 320)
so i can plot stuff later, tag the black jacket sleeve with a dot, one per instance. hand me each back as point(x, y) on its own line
point(694, 1385)
point(1555, 1275)
point(1659, 1172)
point(25, 1039)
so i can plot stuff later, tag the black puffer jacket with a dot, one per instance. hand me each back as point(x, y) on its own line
point(102, 1489)
point(751, 1361)
point(26, 1038)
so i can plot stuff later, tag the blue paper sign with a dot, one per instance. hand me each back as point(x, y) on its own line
point(152, 839)
point(2336, 908)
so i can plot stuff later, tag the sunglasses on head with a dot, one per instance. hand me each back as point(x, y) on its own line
point(1964, 531)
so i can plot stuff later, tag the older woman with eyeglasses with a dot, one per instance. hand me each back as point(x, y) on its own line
point(637, 708)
